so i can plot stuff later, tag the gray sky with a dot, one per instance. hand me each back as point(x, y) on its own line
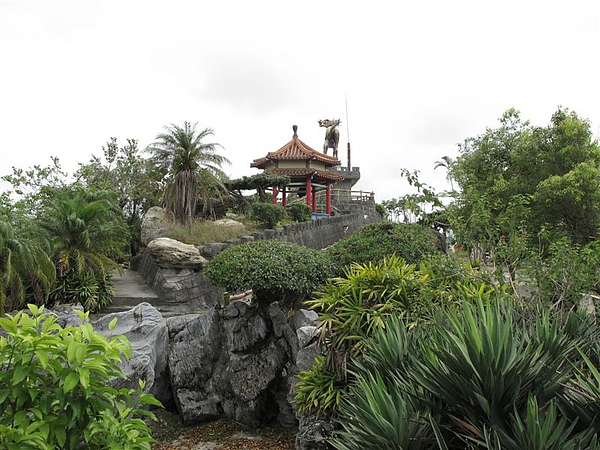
point(419, 76)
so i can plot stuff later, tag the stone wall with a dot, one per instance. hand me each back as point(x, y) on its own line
point(187, 291)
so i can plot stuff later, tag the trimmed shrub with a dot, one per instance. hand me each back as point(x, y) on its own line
point(267, 214)
point(54, 388)
point(274, 270)
point(299, 211)
point(373, 242)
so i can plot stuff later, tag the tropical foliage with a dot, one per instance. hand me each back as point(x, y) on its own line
point(55, 388)
point(192, 166)
point(485, 376)
point(87, 233)
point(354, 307)
point(26, 271)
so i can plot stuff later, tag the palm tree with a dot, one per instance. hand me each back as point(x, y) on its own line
point(193, 165)
point(86, 228)
point(446, 162)
point(26, 271)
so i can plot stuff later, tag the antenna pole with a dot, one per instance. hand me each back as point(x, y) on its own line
point(348, 132)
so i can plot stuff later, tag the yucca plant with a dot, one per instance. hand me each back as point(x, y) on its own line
point(377, 417)
point(481, 367)
point(487, 375)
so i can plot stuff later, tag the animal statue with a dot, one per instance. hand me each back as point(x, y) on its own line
point(332, 135)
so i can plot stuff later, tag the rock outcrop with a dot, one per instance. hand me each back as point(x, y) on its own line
point(172, 254)
point(147, 331)
point(155, 224)
point(236, 362)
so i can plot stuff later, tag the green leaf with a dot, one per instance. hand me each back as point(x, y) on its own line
point(70, 382)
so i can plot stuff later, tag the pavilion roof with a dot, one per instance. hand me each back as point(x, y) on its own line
point(303, 172)
point(295, 150)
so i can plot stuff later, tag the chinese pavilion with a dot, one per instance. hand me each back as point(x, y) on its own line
point(308, 170)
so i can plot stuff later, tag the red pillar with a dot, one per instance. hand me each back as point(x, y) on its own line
point(314, 200)
point(284, 194)
point(274, 195)
point(308, 192)
point(328, 199)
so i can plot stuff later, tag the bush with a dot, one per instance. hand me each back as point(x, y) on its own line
point(274, 270)
point(267, 214)
point(482, 377)
point(373, 242)
point(54, 388)
point(567, 273)
point(353, 308)
point(299, 211)
point(91, 289)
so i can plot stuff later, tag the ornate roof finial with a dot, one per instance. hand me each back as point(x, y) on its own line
point(295, 128)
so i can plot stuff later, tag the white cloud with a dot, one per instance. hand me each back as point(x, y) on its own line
point(419, 76)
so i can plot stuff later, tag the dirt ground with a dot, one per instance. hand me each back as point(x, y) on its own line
point(171, 434)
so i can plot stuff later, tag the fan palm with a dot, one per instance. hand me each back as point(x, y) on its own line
point(193, 165)
point(86, 228)
point(25, 269)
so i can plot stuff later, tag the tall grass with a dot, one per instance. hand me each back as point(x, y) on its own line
point(206, 231)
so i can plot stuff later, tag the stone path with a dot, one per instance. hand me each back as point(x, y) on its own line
point(131, 289)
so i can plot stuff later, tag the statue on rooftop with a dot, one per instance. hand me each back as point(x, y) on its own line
point(332, 135)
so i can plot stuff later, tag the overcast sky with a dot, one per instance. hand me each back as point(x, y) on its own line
point(418, 76)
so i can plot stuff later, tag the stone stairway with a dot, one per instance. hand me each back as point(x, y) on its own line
point(131, 289)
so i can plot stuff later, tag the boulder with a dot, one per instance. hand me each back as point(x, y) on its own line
point(304, 317)
point(229, 223)
point(154, 224)
point(147, 331)
point(172, 254)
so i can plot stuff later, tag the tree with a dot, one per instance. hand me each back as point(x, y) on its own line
point(259, 182)
point(524, 183)
point(88, 234)
point(134, 179)
point(193, 168)
point(446, 162)
point(26, 271)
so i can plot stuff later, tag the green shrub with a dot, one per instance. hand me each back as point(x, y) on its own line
point(299, 211)
point(92, 290)
point(54, 388)
point(319, 390)
point(274, 270)
point(267, 214)
point(353, 308)
point(373, 242)
point(482, 377)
